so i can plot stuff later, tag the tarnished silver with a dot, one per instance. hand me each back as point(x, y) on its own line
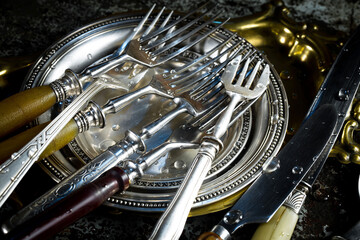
point(171, 223)
point(261, 130)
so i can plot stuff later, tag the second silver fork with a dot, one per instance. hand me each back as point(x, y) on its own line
point(15, 168)
point(171, 223)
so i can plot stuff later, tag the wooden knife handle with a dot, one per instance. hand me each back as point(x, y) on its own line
point(73, 207)
point(16, 142)
point(209, 236)
point(21, 108)
point(280, 226)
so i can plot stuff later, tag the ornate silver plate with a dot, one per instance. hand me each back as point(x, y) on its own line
point(254, 139)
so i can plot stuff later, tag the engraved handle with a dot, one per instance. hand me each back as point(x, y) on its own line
point(84, 175)
point(15, 168)
point(15, 143)
point(75, 206)
point(171, 223)
point(21, 108)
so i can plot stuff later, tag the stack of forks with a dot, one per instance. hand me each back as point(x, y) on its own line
point(196, 87)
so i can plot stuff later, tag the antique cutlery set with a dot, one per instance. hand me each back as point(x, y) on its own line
point(166, 113)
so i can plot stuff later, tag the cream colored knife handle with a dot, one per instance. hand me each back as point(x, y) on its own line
point(282, 224)
point(171, 223)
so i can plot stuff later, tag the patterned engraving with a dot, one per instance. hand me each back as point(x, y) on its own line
point(276, 132)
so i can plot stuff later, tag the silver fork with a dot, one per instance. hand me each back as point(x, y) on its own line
point(171, 223)
point(15, 168)
point(169, 35)
point(146, 50)
point(116, 178)
point(177, 84)
point(133, 142)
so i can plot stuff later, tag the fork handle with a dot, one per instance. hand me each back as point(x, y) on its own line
point(225, 118)
point(171, 223)
point(13, 144)
point(19, 109)
point(73, 207)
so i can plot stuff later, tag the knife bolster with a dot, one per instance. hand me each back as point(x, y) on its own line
point(67, 86)
point(297, 198)
point(221, 232)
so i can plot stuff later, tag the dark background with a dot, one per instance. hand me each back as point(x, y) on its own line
point(27, 28)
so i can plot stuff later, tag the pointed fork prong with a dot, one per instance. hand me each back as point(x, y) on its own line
point(243, 73)
point(183, 78)
point(178, 31)
point(253, 75)
point(173, 24)
point(188, 35)
point(163, 24)
point(206, 83)
point(203, 57)
point(152, 25)
point(136, 30)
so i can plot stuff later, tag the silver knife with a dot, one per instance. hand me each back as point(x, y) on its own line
point(280, 175)
point(338, 90)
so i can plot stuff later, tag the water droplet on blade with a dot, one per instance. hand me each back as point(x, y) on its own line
point(233, 216)
point(297, 170)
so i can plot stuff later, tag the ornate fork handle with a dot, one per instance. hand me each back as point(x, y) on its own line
point(179, 208)
point(88, 173)
point(15, 168)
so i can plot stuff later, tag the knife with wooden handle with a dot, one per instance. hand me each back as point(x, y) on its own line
point(339, 89)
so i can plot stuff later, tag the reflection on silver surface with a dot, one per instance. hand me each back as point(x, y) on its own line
point(256, 137)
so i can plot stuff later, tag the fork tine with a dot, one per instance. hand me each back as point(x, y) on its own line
point(182, 79)
point(136, 30)
point(180, 86)
point(162, 25)
point(242, 74)
point(184, 37)
point(206, 83)
point(178, 31)
point(164, 29)
point(202, 57)
point(208, 118)
point(151, 26)
point(253, 75)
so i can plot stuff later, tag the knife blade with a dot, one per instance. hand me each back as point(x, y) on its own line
point(280, 175)
point(339, 89)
